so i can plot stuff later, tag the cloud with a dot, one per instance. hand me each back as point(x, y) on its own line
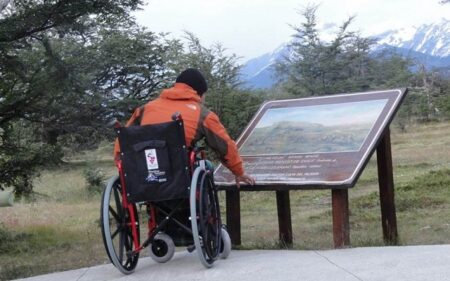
point(329, 25)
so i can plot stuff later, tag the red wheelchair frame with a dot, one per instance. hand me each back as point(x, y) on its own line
point(210, 237)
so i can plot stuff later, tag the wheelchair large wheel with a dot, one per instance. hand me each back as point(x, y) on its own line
point(116, 230)
point(205, 217)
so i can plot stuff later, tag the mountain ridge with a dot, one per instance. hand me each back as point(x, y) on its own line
point(428, 44)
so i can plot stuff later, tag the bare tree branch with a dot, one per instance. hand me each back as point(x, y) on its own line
point(4, 4)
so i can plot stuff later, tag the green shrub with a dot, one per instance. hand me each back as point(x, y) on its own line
point(95, 178)
point(11, 242)
point(5, 238)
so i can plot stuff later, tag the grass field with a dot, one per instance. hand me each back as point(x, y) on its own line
point(59, 230)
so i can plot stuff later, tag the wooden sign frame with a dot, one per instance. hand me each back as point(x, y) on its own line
point(379, 141)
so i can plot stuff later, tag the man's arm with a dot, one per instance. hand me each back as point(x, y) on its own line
point(218, 139)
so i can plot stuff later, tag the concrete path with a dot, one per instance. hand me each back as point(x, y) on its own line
point(410, 263)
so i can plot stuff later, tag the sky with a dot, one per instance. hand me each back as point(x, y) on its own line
point(249, 28)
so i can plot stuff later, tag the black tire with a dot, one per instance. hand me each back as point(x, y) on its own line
point(205, 217)
point(162, 248)
point(116, 232)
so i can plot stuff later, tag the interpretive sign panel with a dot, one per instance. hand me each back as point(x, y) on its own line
point(318, 142)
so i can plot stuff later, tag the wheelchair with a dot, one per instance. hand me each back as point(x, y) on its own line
point(175, 185)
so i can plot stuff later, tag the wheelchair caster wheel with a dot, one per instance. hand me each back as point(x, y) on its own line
point(162, 248)
point(225, 244)
point(190, 248)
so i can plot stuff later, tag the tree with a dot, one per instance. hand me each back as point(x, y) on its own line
point(389, 70)
point(26, 30)
point(315, 67)
point(234, 106)
point(239, 108)
point(221, 70)
point(36, 78)
point(443, 99)
point(128, 69)
point(432, 94)
point(345, 64)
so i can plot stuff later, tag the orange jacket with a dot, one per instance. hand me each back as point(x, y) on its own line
point(199, 123)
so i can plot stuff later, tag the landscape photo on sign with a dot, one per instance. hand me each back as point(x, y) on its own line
point(337, 127)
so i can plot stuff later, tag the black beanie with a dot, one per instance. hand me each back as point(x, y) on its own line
point(193, 78)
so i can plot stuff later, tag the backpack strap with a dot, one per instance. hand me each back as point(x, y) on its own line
point(139, 115)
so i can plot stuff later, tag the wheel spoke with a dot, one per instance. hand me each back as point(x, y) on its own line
point(130, 237)
point(118, 203)
point(114, 214)
point(115, 233)
point(210, 209)
point(129, 241)
point(126, 243)
point(121, 246)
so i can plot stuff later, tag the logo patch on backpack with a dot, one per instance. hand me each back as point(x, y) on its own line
point(156, 176)
point(152, 159)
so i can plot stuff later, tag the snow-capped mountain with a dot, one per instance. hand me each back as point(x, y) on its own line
point(429, 39)
point(428, 44)
point(258, 72)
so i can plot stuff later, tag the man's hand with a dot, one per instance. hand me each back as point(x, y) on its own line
point(246, 179)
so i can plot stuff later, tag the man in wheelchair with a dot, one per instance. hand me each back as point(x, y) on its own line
point(155, 170)
point(186, 97)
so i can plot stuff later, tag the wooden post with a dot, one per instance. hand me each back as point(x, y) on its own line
point(386, 184)
point(233, 205)
point(284, 218)
point(341, 226)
